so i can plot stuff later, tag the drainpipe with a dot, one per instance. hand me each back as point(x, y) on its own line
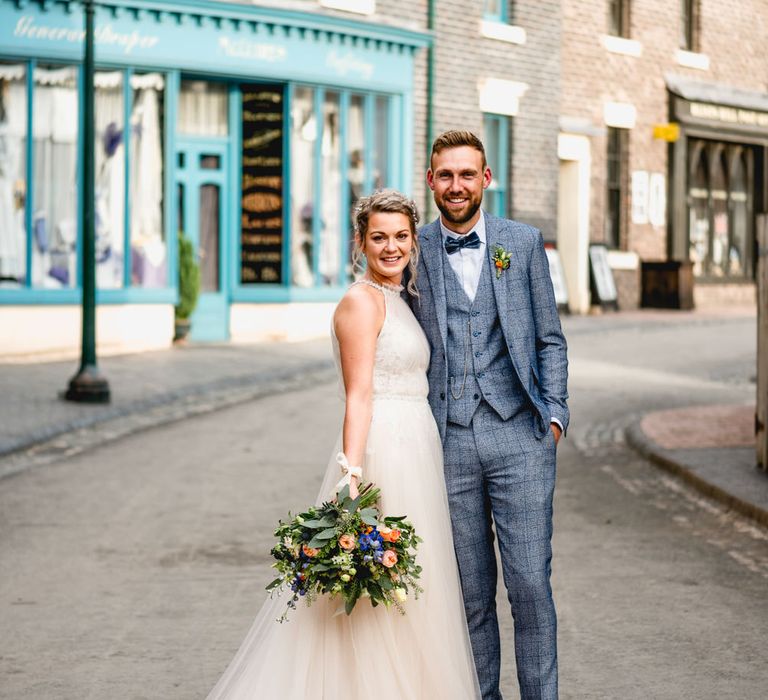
point(431, 11)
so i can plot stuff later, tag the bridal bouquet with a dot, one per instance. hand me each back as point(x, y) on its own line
point(346, 548)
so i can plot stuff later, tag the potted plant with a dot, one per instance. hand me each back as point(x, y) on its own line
point(189, 287)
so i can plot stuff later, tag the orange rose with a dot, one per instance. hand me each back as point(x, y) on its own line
point(347, 542)
point(394, 536)
point(309, 551)
point(499, 263)
point(389, 559)
point(385, 533)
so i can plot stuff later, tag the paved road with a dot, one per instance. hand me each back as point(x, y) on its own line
point(133, 570)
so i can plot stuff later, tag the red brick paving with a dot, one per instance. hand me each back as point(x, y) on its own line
point(701, 426)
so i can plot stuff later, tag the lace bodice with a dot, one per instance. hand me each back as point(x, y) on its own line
point(402, 351)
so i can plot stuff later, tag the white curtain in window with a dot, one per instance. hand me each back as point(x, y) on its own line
point(110, 179)
point(13, 131)
point(148, 265)
point(55, 123)
point(304, 130)
point(203, 108)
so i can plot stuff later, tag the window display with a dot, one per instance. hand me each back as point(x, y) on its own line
point(13, 144)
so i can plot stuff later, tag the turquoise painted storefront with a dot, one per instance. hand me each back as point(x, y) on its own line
point(251, 129)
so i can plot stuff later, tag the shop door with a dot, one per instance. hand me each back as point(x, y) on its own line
point(202, 216)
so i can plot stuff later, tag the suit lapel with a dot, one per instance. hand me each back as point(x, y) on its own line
point(432, 255)
point(505, 287)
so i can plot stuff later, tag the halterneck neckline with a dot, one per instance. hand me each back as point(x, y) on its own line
point(394, 289)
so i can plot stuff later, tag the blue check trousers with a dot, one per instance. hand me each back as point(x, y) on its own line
point(501, 477)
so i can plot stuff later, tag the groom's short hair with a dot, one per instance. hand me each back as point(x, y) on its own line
point(454, 139)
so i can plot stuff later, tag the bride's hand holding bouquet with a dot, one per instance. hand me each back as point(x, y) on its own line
point(345, 548)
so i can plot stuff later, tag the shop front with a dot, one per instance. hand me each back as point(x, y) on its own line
point(252, 131)
point(717, 176)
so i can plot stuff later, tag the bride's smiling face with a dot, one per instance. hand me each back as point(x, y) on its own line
point(388, 244)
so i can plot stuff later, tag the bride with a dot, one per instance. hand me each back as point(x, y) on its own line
point(390, 434)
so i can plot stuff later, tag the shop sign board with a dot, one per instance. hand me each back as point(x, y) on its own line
point(603, 285)
point(237, 46)
point(557, 274)
point(261, 209)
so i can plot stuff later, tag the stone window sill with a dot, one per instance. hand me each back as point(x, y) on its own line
point(691, 59)
point(500, 31)
point(360, 7)
point(620, 45)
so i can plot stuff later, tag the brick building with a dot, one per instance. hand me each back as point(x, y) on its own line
point(663, 135)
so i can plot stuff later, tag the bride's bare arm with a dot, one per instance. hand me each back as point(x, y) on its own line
point(357, 323)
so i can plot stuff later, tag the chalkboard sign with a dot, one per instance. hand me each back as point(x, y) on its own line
point(557, 274)
point(261, 210)
point(603, 286)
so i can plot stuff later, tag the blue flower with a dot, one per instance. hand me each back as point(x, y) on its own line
point(365, 542)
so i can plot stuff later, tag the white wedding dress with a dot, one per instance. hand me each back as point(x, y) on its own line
point(376, 653)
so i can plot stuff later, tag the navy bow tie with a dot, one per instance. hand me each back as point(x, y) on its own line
point(453, 244)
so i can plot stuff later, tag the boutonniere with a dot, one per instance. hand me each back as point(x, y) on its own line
point(501, 259)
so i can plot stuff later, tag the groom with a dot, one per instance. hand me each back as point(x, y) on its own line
point(497, 387)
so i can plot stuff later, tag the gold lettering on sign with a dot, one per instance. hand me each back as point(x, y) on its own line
point(261, 140)
point(269, 274)
point(729, 115)
point(250, 222)
point(262, 201)
point(262, 161)
point(262, 117)
point(274, 182)
point(262, 239)
point(261, 257)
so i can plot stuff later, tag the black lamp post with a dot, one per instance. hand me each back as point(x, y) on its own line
point(88, 385)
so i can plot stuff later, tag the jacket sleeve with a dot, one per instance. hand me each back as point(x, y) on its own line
point(551, 348)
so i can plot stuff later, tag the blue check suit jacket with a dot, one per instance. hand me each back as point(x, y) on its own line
point(527, 310)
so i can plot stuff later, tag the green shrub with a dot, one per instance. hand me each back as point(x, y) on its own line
point(189, 278)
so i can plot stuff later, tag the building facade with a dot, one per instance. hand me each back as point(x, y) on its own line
point(251, 129)
point(663, 135)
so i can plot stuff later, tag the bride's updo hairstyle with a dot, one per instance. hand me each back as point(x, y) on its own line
point(386, 202)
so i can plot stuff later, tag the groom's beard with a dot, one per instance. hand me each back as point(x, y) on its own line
point(461, 217)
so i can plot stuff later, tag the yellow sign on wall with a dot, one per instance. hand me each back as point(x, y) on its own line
point(666, 132)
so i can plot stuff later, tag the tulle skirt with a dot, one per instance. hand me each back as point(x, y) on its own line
point(373, 653)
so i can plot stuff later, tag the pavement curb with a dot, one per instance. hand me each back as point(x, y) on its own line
point(641, 443)
point(69, 439)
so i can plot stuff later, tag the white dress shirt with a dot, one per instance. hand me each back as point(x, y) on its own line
point(467, 263)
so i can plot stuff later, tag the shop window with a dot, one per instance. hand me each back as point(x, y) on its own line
point(719, 193)
point(329, 264)
point(148, 245)
point(495, 140)
point(616, 186)
point(109, 156)
point(54, 220)
point(13, 175)
point(690, 25)
point(340, 151)
point(698, 214)
point(720, 213)
point(380, 155)
point(496, 10)
point(203, 108)
point(740, 215)
point(619, 18)
point(304, 133)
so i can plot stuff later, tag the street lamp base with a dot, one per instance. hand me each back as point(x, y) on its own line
point(88, 386)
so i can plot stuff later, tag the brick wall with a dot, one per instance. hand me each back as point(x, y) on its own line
point(463, 56)
point(733, 36)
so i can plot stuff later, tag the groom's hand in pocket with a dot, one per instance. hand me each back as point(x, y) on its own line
point(555, 428)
